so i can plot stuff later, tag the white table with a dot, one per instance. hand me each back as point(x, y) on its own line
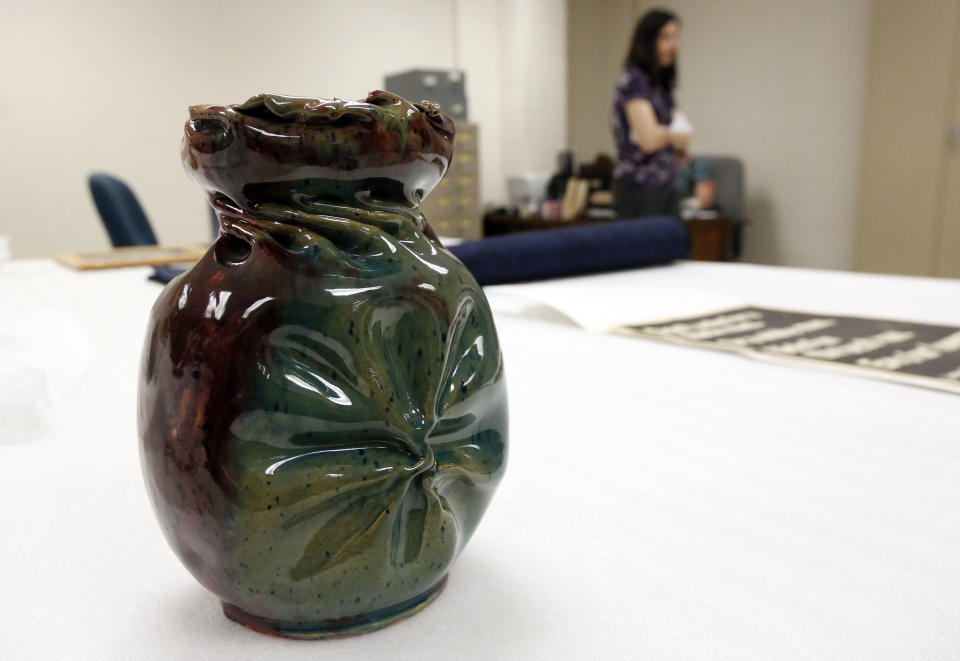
point(740, 510)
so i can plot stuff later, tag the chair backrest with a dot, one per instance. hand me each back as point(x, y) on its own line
point(121, 213)
point(728, 174)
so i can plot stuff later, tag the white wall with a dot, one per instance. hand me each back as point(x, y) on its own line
point(533, 73)
point(780, 83)
point(515, 55)
point(100, 85)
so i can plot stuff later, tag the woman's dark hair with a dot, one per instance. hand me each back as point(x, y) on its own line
point(643, 49)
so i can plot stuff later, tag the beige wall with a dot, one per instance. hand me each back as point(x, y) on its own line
point(100, 85)
point(780, 83)
point(597, 38)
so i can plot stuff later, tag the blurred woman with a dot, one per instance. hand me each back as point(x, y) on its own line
point(649, 131)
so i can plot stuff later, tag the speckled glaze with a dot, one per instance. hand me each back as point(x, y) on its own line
point(322, 409)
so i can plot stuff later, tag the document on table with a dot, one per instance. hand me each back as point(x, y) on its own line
point(906, 352)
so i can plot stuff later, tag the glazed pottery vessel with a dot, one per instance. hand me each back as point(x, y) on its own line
point(322, 409)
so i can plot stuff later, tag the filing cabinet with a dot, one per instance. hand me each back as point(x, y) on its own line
point(453, 208)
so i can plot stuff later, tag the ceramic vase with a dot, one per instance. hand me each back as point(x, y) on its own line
point(322, 408)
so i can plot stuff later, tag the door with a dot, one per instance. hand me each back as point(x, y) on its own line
point(909, 195)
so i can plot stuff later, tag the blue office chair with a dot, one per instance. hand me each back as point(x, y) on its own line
point(120, 212)
point(728, 174)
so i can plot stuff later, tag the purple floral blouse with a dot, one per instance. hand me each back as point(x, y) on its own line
point(654, 170)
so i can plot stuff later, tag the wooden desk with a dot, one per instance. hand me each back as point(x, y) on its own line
point(495, 224)
point(710, 237)
point(132, 256)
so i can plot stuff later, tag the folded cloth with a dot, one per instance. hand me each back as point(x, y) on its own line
point(553, 253)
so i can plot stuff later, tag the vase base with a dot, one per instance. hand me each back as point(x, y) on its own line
point(335, 628)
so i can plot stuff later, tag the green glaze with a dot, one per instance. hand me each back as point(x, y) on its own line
point(322, 406)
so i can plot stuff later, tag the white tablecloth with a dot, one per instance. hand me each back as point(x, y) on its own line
point(736, 509)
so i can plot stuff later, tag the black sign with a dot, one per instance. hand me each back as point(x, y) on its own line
point(922, 354)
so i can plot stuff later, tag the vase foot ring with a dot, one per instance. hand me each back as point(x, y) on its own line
point(335, 628)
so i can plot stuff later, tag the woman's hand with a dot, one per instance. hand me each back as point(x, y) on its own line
point(680, 131)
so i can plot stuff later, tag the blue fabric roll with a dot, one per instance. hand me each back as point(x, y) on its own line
point(554, 253)
point(164, 274)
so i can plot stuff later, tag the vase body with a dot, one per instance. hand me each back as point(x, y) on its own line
point(322, 409)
